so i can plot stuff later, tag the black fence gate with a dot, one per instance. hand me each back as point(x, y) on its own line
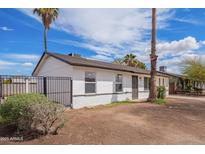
point(57, 89)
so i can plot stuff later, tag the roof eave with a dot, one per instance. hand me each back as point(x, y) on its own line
point(84, 65)
point(38, 63)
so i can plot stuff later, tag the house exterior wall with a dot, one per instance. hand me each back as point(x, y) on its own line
point(105, 93)
point(142, 93)
point(55, 67)
point(159, 82)
point(105, 81)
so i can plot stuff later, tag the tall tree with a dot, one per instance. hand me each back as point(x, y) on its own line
point(141, 65)
point(130, 60)
point(118, 61)
point(153, 60)
point(48, 15)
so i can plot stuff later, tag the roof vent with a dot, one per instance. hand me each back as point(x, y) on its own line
point(163, 68)
point(74, 55)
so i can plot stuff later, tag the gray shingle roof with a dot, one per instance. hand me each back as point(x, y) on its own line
point(172, 74)
point(79, 61)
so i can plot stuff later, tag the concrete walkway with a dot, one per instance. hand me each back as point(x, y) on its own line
point(200, 98)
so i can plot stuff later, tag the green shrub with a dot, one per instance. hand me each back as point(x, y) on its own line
point(120, 103)
point(2, 121)
point(31, 112)
point(160, 101)
point(161, 92)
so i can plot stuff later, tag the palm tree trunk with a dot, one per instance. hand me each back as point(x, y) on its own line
point(153, 59)
point(45, 39)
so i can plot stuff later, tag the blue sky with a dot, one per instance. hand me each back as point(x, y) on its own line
point(103, 34)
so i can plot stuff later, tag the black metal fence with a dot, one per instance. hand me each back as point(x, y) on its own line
point(57, 89)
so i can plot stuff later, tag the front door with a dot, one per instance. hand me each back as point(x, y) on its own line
point(134, 87)
point(172, 88)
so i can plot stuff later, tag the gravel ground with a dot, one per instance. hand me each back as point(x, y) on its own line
point(180, 121)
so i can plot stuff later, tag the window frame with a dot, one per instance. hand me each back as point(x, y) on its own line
point(159, 82)
point(118, 83)
point(147, 84)
point(90, 82)
point(163, 82)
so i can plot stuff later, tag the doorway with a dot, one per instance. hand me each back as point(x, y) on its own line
point(134, 87)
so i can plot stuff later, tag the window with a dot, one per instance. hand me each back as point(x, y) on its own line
point(90, 82)
point(159, 82)
point(118, 83)
point(166, 82)
point(146, 83)
point(163, 82)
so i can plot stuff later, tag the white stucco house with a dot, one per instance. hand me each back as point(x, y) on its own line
point(97, 82)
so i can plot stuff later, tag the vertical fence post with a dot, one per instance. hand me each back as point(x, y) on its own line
point(27, 85)
point(71, 93)
point(1, 82)
point(45, 86)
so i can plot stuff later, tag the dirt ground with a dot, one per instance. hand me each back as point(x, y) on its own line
point(181, 121)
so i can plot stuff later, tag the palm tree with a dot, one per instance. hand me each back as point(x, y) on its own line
point(141, 65)
point(153, 60)
point(118, 61)
point(130, 60)
point(48, 15)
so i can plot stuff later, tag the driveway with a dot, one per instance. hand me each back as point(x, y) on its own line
point(181, 121)
point(200, 98)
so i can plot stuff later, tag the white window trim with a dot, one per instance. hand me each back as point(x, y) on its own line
point(115, 83)
point(91, 82)
point(147, 89)
point(163, 82)
point(159, 82)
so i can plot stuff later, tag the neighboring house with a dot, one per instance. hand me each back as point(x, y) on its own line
point(174, 79)
point(97, 82)
point(179, 84)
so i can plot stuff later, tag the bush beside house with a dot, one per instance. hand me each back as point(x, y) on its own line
point(31, 113)
point(161, 94)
